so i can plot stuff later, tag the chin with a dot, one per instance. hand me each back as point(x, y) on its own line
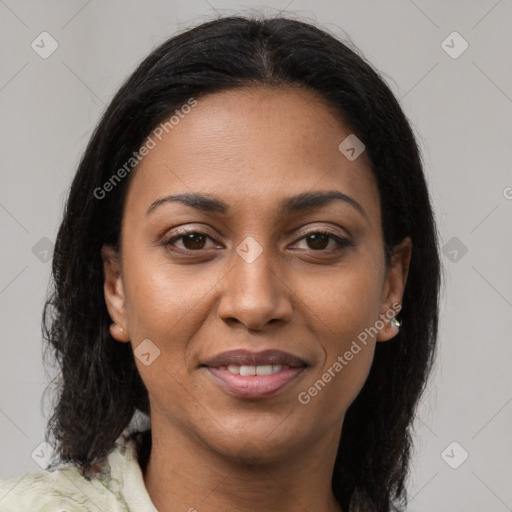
point(255, 445)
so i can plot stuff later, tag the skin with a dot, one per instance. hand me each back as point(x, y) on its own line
point(250, 148)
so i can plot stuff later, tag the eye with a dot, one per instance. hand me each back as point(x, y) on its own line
point(319, 240)
point(191, 240)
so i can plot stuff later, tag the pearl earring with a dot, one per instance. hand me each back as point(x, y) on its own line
point(395, 323)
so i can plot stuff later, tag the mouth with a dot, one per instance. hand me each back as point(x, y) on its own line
point(246, 374)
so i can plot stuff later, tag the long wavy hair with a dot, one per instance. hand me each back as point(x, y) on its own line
point(98, 385)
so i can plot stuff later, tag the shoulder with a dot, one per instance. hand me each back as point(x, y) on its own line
point(52, 491)
point(114, 484)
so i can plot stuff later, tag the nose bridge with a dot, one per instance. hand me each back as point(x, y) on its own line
point(253, 293)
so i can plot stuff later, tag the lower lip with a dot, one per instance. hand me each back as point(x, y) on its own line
point(254, 386)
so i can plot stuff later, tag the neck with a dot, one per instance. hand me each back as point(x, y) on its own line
point(183, 473)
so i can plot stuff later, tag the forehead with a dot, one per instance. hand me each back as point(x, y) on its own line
point(252, 147)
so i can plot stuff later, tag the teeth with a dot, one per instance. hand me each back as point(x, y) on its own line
point(246, 371)
point(264, 370)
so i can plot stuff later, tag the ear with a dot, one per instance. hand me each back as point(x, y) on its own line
point(113, 290)
point(393, 288)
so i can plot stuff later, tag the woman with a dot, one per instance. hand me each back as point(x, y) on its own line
point(248, 262)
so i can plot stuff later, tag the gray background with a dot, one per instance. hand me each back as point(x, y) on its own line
point(461, 111)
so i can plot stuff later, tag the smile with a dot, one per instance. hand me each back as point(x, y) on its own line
point(254, 381)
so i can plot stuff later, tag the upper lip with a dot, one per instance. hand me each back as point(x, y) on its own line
point(248, 358)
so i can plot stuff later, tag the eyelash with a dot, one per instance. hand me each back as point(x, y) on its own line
point(342, 243)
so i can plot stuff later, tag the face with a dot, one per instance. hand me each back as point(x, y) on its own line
point(294, 283)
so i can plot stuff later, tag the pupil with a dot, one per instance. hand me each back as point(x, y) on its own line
point(193, 238)
point(318, 238)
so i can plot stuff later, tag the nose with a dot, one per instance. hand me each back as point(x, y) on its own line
point(254, 293)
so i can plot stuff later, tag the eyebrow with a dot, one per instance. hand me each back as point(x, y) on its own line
point(299, 203)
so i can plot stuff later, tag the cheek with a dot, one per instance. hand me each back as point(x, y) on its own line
point(334, 386)
point(347, 306)
point(347, 301)
point(165, 304)
point(162, 299)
